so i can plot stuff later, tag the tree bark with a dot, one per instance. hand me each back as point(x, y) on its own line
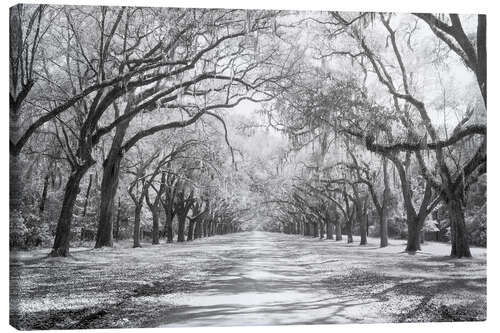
point(382, 209)
point(197, 229)
point(329, 230)
point(109, 187)
point(348, 225)
point(383, 231)
point(169, 231)
point(109, 184)
point(413, 243)
point(190, 230)
point(63, 229)
point(156, 226)
point(137, 226)
point(338, 230)
point(210, 228)
point(181, 221)
point(117, 223)
point(16, 183)
point(362, 224)
point(459, 244)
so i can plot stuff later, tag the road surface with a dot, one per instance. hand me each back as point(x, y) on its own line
point(273, 279)
point(249, 278)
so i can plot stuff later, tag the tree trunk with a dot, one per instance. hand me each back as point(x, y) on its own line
point(16, 182)
point(349, 231)
point(190, 230)
point(459, 244)
point(169, 231)
point(117, 223)
point(413, 243)
point(321, 230)
point(329, 230)
point(315, 230)
point(181, 221)
point(109, 187)
point(156, 226)
point(362, 227)
point(63, 230)
point(198, 228)
point(210, 228)
point(338, 230)
point(137, 226)
point(383, 232)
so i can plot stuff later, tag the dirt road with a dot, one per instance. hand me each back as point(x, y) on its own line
point(250, 278)
point(272, 279)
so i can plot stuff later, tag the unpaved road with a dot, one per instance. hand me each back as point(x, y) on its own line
point(273, 279)
point(250, 278)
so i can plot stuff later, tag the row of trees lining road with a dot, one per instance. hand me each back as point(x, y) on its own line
point(383, 106)
point(124, 75)
point(129, 122)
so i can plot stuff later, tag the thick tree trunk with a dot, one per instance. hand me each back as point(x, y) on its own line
point(210, 228)
point(315, 230)
point(413, 243)
point(109, 187)
point(63, 229)
point(321, 230)
point(349, 231)
point(169, 231)
point(109, 184)
point(338, 230)
point(181, 222)
point(329, 230)
point(137, 226)
point(16, 182)
point(459, 244)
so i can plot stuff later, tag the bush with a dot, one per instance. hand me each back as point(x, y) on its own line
point(17, 229)
point(27, 230)
point(476, 226)
point(397, 227)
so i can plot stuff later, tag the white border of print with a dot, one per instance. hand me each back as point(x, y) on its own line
point(445, 6)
